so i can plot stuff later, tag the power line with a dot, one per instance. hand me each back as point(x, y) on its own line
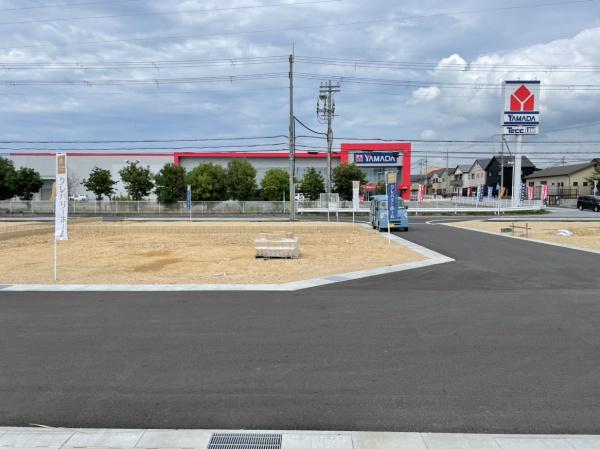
point(64, 5)
point(104, 65)
point(454, 67)
point(448, 141)
point(157, 13)
point(212, 139)
point(310, 129)
point(311, 76)
point(445, 84)
point(317, 26)
point(156, 81)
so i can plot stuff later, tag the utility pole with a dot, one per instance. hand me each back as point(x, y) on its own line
point(292, 137)
point(327, 112)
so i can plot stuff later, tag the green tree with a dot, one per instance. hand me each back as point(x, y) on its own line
point(170, 184)
point(312, 184)
point(240, 180)
point(100, 183)
point(595, 177)
point(137, 180)
point(27, 182)
point(343, 175)
point(208, 182)
point(275, 185)
point(7, 179)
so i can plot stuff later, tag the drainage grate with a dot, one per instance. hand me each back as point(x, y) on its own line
point(245, 441)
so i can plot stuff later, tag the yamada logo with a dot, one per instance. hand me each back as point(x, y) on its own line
point(358, 157)
point(522, 99)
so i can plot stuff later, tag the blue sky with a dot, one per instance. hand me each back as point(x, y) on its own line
point(102, 38)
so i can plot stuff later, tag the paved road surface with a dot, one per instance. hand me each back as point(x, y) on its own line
point(505, 339)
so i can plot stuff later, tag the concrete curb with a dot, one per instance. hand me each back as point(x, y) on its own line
point(559, 245)
point(61, 438)
point(431, 258)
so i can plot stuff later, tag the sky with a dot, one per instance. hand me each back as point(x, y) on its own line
point(426, 71)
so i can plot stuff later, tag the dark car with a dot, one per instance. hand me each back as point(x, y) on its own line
point(589, 202)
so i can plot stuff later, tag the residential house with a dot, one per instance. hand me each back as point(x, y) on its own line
point(439, 182)
point(566, 181)
point(494, 171)
point(476, 175)
point(461, 174)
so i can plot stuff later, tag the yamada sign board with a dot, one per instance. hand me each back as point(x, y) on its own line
point(521, 113)
point(376, 158)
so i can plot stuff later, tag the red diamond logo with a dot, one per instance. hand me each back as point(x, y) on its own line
point(522, 100)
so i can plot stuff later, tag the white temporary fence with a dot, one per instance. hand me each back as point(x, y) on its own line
point(147, 207)
point(201, 208)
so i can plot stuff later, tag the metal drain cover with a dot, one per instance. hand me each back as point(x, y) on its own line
point(245, 441)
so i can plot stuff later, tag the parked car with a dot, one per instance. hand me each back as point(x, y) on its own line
point(589, 202)
point(379, 215)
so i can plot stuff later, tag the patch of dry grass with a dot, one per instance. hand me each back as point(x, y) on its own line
point(586, 235)
point(184, 252)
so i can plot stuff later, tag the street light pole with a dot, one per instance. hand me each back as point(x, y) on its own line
point(292, 137)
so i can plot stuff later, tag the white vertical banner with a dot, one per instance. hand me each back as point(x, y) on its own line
point(61, 208)
point(355, 195)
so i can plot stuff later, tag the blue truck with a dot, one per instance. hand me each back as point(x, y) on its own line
point(379, 214)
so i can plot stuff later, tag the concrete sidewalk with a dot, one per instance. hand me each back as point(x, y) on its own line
point(61, 438)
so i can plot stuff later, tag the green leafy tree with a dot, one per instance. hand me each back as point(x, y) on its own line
point(595, 177)
point(27, 182)
point(137, 180)
point(7, 179)
point(312, 184)
point(240, 180)
point(343, 175)
point(208, 182)
point(170, 184)
point(100, 183)
point(275, 185)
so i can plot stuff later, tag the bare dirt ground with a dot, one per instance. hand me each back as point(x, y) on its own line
point(586, 235)
point(194, 253)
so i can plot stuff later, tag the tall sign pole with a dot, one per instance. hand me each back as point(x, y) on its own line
point(391, 179)
point(521, 117)
point(292, 137)
point(61, 207)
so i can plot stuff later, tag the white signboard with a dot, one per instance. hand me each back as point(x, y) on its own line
point(61, 208)
point(521, 115)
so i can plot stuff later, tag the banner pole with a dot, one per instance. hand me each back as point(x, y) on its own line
point(55, 260)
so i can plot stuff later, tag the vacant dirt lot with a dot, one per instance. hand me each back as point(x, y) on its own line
point(585, 234)
point(183, 252)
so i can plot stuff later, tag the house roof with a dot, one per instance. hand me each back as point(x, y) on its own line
point(562, 170)
point(483, 163)
point(464, 168)
point(525, 161)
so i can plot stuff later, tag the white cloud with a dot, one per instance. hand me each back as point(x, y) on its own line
point(482, 105)
point(425, 94)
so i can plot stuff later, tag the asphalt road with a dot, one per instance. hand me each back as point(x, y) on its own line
point(505, 339)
